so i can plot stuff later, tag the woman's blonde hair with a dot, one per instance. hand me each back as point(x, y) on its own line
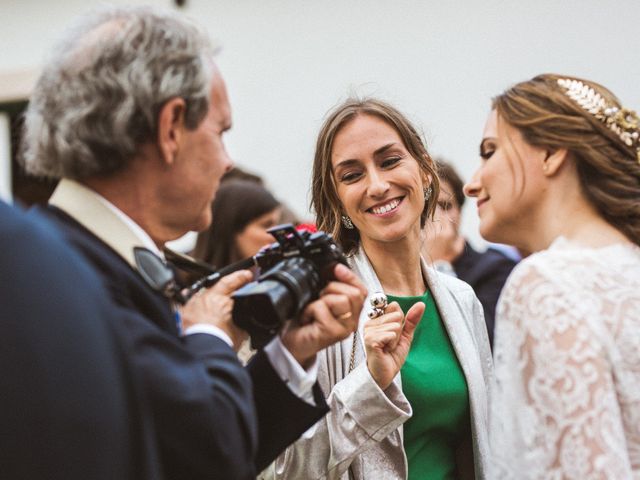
point(609, 169)
point(324, 196)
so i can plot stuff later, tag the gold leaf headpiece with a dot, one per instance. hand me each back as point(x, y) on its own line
point(624, 123)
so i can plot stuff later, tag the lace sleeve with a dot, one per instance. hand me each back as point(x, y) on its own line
point(554, 410)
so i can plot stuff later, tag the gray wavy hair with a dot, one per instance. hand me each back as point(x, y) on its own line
point(99, 96)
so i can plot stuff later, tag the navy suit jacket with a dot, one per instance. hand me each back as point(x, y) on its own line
point(70, 403)
point(487, 273)
point(214, 418)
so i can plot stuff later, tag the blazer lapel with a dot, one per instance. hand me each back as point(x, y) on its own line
point(461, 337)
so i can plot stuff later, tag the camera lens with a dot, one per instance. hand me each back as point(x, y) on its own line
point(262, 307)
point(263, 304)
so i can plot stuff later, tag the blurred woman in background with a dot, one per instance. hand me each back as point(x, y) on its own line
point(243, 211)
point(560, 176)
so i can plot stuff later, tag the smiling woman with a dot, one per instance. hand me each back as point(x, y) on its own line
point(374, 186)
point(380, 184)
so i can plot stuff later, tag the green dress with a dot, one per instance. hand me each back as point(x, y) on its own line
point(434, 384)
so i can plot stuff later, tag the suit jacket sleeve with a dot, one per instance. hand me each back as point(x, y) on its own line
point(215, 414)
point(282, 416)
point(202, 402)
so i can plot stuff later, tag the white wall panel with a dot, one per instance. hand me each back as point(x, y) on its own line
point(5, 158)
point(287, 62)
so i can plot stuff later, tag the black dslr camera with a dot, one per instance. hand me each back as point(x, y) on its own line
point(292, 272)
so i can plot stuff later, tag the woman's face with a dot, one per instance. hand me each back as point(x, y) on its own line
point(379, 183)
point(254, 236)
point(509, 184)
point(447, 206)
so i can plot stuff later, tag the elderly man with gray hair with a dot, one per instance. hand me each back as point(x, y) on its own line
point(129, 113)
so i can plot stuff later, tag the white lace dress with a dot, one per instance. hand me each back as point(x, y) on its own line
point(565, 401)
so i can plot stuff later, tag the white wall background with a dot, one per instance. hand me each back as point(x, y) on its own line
point(287, 62)
point(5, 159)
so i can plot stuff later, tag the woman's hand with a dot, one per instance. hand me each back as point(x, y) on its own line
point(387, 340)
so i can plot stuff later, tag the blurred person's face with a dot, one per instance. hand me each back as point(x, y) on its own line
point(507, 185)
point(447, 206)
point(378, 182)
point(201, 162)
point(254, 236)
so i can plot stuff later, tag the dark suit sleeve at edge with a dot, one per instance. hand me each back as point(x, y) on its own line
point(282, 417)
point(489, 287)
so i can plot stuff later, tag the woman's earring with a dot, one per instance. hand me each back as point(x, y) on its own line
point(346, 221)
point(427, 193)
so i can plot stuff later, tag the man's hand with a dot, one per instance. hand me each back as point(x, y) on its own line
point(387, 340)
point(213, 306)
point(331, 318)
point(442, 239)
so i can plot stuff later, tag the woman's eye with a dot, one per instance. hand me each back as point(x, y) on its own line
point(486, 154)
point(349, 177)
point(389, 162)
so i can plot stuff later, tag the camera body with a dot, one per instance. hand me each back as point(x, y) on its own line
point(293, 271)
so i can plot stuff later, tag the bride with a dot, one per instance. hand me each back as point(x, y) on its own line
point(560, 176)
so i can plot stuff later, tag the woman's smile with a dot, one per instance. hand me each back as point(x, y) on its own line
point(386, 209)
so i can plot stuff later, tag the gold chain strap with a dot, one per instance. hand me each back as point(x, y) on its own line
point(352, 362)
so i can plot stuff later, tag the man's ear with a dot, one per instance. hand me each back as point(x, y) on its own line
point(554, 161)
point(171, 128)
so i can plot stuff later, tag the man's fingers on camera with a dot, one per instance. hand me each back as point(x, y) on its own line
point(232, 282)
point(339, 305)
point(335, 286)
point(335, 329)
point(310, 312)
point(344, 275)
point(218, 302)
point(355, 295)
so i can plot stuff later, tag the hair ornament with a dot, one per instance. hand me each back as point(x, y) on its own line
point(624, 123)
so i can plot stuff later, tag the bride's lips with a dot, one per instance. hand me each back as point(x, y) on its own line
point(481, 201)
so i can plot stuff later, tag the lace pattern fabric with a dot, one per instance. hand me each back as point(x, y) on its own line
point(565, 402)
